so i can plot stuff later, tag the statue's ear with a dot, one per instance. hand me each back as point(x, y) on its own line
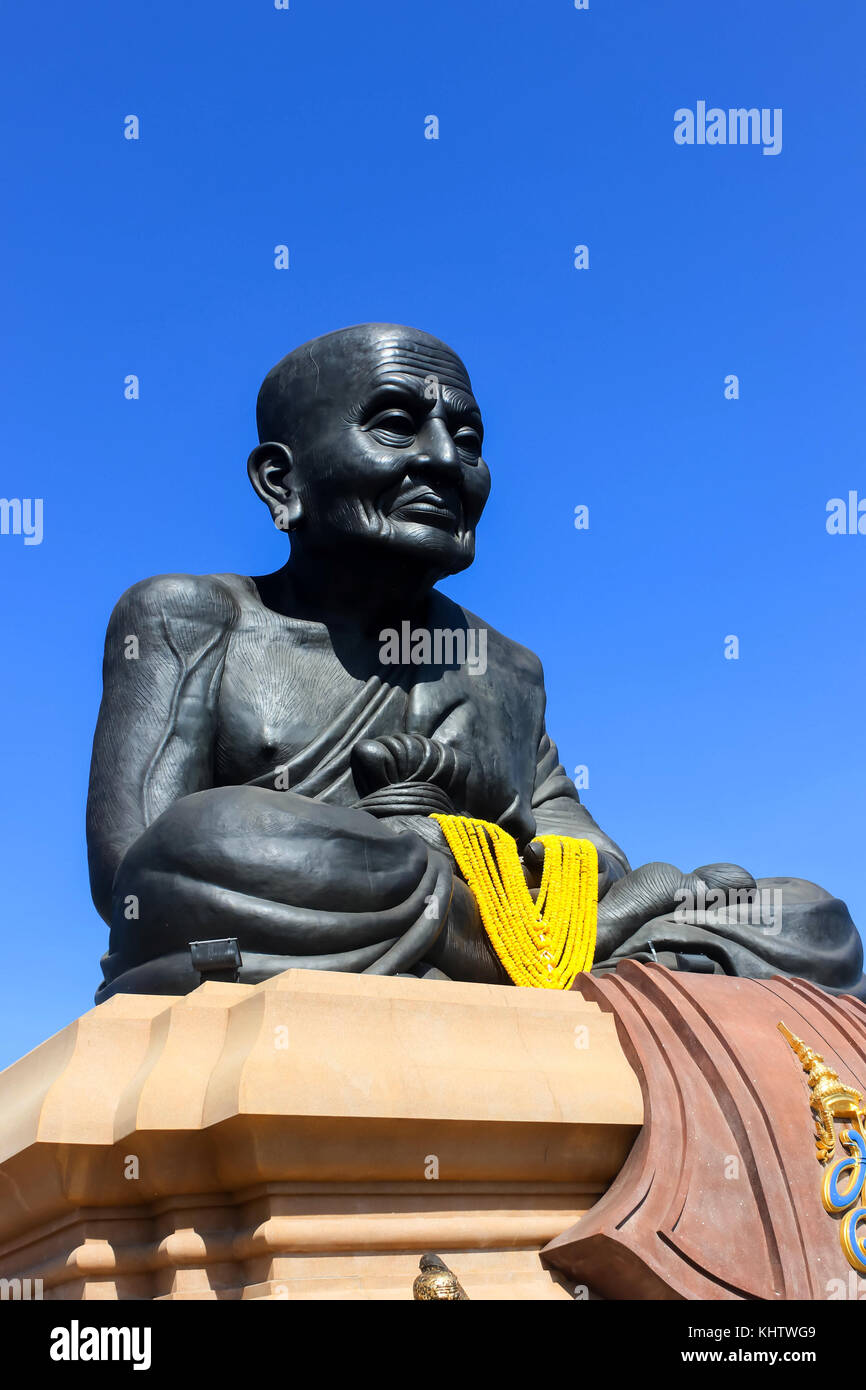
point(270, 466)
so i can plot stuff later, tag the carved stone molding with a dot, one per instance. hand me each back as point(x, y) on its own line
point(720, 1196)
point(284, 1138)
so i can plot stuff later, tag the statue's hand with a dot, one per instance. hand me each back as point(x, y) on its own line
point(653, 890)
point(412, 773)
point(405, 778)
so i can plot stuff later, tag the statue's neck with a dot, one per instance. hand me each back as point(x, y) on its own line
point(313, 590)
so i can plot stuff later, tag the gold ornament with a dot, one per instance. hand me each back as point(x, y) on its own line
point(832, 1099)
point(437, 1282)
point(830, 1096)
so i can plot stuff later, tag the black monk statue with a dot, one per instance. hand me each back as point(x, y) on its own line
point(269, 750)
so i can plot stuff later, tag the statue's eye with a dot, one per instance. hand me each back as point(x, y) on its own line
point(393, 427)
point(469, 443)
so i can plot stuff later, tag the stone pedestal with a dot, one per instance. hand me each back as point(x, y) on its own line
point(310, 1138)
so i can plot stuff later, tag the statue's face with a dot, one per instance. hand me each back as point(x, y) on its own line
point(388, 455)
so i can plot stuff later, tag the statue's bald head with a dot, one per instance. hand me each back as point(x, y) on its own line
point(371, 437)
point(315, 376)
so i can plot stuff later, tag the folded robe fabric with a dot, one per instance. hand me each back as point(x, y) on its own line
point(795, 929)
point(297, 882)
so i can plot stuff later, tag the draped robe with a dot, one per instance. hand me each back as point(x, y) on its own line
point(225, 803)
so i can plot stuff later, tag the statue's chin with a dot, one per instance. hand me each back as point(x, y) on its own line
point(427, 548)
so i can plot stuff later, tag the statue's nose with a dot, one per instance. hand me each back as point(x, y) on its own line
point(436, 448)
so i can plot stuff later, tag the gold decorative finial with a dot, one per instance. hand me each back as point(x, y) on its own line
point(437, 1281)
point(830, 1096)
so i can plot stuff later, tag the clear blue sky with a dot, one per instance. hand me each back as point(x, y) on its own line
point(603, 387)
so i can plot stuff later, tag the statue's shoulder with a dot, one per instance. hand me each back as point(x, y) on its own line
point(199, 598)
point(503, 653)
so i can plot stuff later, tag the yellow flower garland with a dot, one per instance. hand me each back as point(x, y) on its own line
point(542, 944)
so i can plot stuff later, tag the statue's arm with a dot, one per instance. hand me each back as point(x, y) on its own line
point(154, 741)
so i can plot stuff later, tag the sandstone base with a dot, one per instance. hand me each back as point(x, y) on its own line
point(310, 1138)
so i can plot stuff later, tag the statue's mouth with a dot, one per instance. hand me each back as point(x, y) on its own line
point(431, 509)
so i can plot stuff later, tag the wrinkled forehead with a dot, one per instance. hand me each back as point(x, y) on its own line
point(337, 376)
point(396, 358)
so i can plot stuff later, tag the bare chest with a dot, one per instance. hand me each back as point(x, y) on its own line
point(284, 690)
